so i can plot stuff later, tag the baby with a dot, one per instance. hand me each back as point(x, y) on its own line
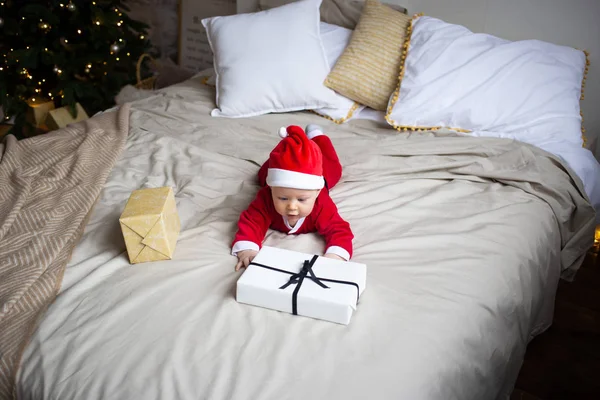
point(294, 197)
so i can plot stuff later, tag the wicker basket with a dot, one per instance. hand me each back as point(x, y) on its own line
point(148, 83)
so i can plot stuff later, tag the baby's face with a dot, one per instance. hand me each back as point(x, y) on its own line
point(294, 203)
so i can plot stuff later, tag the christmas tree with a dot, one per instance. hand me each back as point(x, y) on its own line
point(66, 51)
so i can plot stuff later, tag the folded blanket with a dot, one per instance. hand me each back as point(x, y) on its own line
point(49, 186)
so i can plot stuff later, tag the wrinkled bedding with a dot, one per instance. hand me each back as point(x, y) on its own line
point(464, 239)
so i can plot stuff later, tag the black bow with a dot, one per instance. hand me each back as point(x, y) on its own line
point(297, 279)
point(306, 269)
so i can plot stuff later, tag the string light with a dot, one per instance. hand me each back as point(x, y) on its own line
point(48, 28)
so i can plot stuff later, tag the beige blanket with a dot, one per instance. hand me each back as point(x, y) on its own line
point(464, 241)
point(48, 185)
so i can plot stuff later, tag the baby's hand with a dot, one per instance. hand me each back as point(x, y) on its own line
point(334, 256)
point(245, 257)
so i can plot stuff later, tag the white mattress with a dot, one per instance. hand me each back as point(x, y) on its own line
point(463, 255)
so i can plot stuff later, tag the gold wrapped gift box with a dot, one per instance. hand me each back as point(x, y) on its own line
point(150, 225)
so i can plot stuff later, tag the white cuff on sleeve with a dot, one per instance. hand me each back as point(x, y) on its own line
point(337, 250)
point(244, 245)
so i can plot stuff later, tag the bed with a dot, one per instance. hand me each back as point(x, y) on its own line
point(465, 234)
point(465, 240)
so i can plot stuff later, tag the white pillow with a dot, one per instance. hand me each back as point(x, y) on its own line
point(269, 61)
point(454, 78)
point(335, 40)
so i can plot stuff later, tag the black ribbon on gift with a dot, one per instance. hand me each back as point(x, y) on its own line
point(306, 273)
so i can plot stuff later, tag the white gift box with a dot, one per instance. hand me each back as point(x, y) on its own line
point(303, 284)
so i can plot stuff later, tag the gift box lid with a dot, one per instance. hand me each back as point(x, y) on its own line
point(152, 214)
point(144, 208)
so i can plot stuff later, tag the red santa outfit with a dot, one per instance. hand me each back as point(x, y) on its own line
point(299, 161)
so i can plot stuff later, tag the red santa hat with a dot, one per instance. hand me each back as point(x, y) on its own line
point(296, 162)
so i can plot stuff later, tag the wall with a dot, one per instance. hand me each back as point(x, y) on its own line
point(163, 18)
point(570, 23)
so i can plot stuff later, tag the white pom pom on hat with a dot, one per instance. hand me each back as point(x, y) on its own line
point(283, 132)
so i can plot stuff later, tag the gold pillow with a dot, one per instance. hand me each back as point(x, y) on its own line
point(367, 71)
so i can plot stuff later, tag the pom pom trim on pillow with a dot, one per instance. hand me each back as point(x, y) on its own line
point(585, 74)
point(340, 121)
point(395, 95)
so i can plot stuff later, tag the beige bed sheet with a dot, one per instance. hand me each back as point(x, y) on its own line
point(464, 238)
